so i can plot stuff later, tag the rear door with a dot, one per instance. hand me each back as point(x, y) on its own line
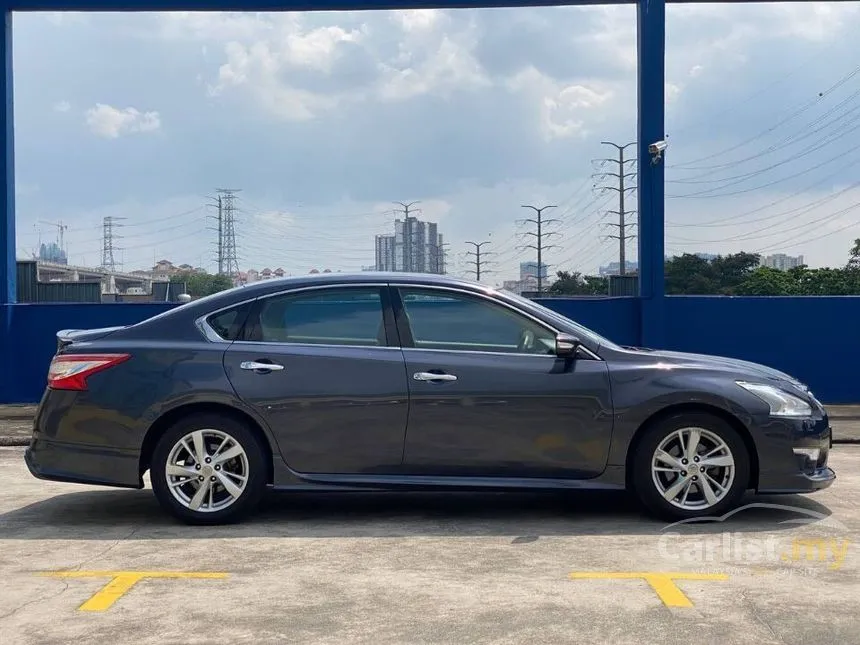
point(323, 366)
point(489, 397)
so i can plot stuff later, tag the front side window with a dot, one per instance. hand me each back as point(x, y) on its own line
point(454, 321)
point(328, 317)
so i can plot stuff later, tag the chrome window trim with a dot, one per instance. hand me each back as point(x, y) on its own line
point(253, 343)
point(489, 298)
point(210, 334)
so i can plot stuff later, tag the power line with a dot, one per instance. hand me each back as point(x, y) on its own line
point(803, 108)
point(539, 236)
point(621, 189)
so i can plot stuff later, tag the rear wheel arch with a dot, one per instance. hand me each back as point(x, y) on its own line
point(695, 408)
point(175, 415)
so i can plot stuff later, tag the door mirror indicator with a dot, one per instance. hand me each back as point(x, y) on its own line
point(566, 345)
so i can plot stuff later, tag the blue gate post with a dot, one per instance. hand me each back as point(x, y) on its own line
point(7, 205)
point(7, 179)
point(651, 40)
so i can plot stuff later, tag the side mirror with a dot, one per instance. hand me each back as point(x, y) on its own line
point(566, 345)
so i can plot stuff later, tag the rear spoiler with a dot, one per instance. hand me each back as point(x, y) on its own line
point(66, 337)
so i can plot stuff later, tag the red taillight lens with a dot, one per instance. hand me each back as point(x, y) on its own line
point(70, 371)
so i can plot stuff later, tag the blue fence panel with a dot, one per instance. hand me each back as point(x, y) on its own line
point(816, 339)
point(615, 318)
point(31, 339)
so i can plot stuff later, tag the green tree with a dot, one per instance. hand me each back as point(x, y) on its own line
point(573, 283)
point(765, 281)
point(689, 274)
point(202, 284)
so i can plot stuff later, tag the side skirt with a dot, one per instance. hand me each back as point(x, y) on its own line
point(284, 479)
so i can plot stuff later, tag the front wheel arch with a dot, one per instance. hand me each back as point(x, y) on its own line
point(694, 408)
point(175, 415)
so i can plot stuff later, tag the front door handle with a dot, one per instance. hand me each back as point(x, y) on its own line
point(254, 365)
point(430, 376)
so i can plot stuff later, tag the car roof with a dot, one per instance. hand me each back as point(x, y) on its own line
point(236, 295)
point(381, 277)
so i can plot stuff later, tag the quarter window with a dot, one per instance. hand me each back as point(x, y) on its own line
point(453, 321)
point(228, 324)
point(330, 317)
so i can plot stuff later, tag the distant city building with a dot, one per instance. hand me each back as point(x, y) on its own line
point(529, 270)
point(614, 268)
point(781, 261)
point(529, 283)
point(415, 246)
point(52, 252)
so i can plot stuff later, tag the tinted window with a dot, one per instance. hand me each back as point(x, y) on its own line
point(228, 324)
point(332, 317)
point(445, 320)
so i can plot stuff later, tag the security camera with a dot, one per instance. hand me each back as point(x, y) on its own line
point(657, 147)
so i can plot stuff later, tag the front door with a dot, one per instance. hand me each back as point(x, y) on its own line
point(335, 395)
point(489, 397)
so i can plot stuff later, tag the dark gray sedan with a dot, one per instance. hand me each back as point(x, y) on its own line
point(382, 381)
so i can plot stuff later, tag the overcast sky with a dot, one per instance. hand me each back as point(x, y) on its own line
point(322, 119)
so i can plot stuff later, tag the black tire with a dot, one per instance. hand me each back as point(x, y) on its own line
point(257, 469)
point(644, 487)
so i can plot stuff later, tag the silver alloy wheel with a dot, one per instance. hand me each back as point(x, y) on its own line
point(207, 470)
point(693, 468)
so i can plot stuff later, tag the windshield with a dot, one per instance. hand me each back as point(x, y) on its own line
point(583, 332)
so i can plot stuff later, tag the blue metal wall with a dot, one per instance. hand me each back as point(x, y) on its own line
point(816, 339)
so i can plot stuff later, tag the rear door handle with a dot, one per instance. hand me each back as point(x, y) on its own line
point(430, 376)
point(254, 365)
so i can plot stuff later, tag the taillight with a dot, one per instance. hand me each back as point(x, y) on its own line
point(70, 371)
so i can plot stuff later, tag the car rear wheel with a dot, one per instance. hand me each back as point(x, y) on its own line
point(690, 465)
point(208, 469)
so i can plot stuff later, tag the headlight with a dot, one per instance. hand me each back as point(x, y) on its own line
point(782, 404)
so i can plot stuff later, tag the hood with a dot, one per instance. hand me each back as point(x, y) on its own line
point(752, 370)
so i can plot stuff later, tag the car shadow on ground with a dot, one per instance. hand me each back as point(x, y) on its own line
point(524, 517)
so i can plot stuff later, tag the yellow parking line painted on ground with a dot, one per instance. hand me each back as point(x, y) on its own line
point(122, 581)
point(663, 584)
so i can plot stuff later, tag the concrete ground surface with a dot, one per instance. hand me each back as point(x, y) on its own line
point(426, 568)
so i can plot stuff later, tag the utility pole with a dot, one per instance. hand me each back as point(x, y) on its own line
point(477, 261)
point(539, 236)
point(220, 236)
point(109, 239)
point(407, 234)
point(228, 259)
point(438, 252)
point(622, 189)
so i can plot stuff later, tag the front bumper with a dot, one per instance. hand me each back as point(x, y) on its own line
point(63, 462)
point(783, 466)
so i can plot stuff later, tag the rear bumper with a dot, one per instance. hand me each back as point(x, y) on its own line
point(63, 462)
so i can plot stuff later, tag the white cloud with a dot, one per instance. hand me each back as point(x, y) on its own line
point(110, 122)
point(62, 106)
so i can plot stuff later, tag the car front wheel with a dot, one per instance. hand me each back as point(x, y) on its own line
point(208, 469)
point(690, 465)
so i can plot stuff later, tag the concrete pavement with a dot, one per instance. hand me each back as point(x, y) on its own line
point(426, 568)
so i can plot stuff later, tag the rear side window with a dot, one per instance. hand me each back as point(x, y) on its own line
point(228, 324)
point(351, 316)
